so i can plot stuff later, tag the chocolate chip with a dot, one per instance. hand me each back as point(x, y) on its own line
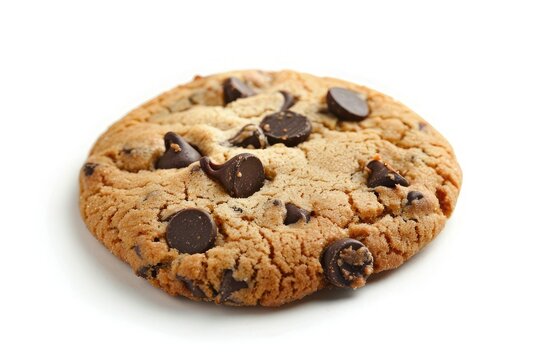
point(195, 290)
point(250, 136)
point(178, 153)
point(421, 125)
point(229, 285)
point(383, 175)
point(346, 104)
point(143, 271)
point(347, 263)
point(241, 176)
point(137, 250)
point(288, 100)
point(89, 168)
point(234, 89)
point(191, 231)
point(286, 127)
point(294, 214)
point(413, 196)
point(149, 271)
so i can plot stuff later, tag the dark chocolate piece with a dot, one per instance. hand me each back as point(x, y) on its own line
point(195, 290)
point(234, 89)
point(347, 263)
point(137, 250)
point(191, 231)
point(178, 153)
point(414, 196)
point(295, 214)
point(250, 137)
point(229, 285)
point(288, 100)
point(241, 176)
point(149, 271)
point(346, 104)
point(383, 175)
point(286, 127)
point(89, 168)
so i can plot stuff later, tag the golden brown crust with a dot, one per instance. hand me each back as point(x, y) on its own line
point(125, 201)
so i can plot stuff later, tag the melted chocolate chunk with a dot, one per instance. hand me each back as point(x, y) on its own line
point(347, 263)
point(250, 137)
point(382, 175)
point(295, 214)
point(191, 231)
point(234, 89)
point(241, 176)
point(178, 153)
point(414, 196)
point(230, 285)
point(288, 100)
point(89, 168)
point(286, 127)
point(346, 104)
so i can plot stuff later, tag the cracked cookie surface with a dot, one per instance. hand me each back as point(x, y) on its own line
point(268, 245)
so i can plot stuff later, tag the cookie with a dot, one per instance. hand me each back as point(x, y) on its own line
point(260, 188)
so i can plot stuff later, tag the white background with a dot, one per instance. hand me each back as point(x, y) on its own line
point(68, 70)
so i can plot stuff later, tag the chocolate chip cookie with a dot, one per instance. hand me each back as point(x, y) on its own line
point(255, 187)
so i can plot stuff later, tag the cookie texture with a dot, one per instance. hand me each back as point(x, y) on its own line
point(357, 174)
